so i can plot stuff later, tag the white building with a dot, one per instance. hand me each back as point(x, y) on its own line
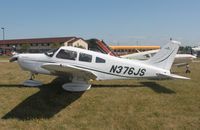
point(77, 42)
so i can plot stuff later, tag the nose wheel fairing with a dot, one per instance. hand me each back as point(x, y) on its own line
point(32, 83)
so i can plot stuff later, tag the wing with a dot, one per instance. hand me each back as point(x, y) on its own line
point(171, 76)
point(59, 68)
point(141, 55)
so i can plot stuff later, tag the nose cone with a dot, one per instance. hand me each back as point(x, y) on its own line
point(14, 58)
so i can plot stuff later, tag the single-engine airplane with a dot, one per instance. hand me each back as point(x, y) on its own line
point(84, 65)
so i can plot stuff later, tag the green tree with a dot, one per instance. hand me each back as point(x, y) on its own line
point(185, 49)
point(25, 47)
point(55, 45)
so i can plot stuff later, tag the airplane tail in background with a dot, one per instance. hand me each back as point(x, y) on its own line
point(165, 57)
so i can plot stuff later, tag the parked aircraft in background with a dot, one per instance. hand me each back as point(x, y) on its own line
point(196, 48)
point(180, 59)
point(84, 65)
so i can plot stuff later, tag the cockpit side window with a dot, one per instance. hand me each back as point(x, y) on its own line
point(66, 54)
point(100, 60)
point(50, 53)
point(85, 57)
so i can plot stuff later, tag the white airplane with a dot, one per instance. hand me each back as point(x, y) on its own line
point(84, 65)
point(196, 48)
point(180, 59)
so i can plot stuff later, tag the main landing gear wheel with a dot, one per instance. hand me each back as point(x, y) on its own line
point(78, 84)
point(76, 87)
point(31, 82)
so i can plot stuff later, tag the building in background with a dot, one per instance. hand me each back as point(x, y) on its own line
point(77, 42)
point(36, 45)
point(40, 45)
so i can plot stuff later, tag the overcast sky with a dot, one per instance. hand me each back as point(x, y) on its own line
point(122, 22)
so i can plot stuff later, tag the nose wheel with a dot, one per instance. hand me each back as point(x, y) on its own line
point(31, 82)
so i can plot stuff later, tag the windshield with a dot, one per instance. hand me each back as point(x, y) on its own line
point(50, 53)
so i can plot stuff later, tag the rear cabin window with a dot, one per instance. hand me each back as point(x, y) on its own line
point(66, 54)
point(100, 60)
point(85, 57)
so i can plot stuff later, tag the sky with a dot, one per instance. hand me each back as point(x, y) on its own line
point(117, 22)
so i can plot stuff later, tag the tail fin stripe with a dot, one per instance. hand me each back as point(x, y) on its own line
point(166, 57)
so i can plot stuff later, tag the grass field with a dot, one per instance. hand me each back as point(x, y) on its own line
point(133, 104)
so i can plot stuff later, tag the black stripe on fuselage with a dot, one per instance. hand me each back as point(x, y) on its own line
point(40, 61)
point(103, 72)
point(84, 68)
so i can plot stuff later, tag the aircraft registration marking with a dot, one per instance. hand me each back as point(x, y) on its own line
point(127, 70)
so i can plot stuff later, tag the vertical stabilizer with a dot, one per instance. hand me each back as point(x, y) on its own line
point(165, 57)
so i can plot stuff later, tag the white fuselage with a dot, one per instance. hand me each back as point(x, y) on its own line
point(196, 48)
point(113, 68)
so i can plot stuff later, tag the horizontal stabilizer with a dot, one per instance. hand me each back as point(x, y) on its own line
point(171, 76)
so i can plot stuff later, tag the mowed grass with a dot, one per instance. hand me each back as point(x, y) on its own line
point(130, 104)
